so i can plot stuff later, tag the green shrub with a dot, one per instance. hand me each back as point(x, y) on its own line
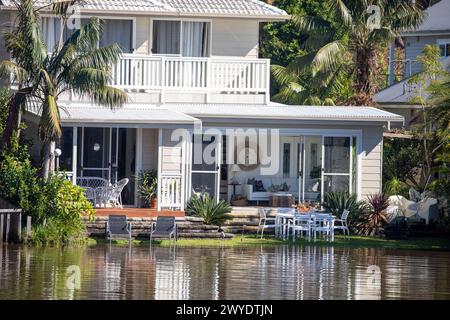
point(55, 206)
point(148, 185)
point(209, 209)
point(338, 201)
point(20, 185)
point(394, 187)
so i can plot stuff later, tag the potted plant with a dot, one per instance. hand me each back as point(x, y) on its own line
point(148, 188)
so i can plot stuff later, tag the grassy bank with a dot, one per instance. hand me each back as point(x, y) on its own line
point(340, 242)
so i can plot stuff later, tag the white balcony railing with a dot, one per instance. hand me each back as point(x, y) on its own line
point(142, 72)
point(171, 192)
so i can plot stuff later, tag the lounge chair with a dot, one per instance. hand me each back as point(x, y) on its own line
point(117, 227)
point(164, 227)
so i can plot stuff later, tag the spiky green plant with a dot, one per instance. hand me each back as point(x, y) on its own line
point(207, 207)
point(76, 65)
point(338, 201)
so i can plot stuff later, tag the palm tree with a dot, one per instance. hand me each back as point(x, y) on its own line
point(346, 45)
point(76, 64)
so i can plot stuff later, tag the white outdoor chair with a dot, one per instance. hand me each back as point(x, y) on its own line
point(116, 194)
point(342, 223)
point(299, 224)
point(111, 196)
point(263, 219)
point(92, 182)
point(322, 226)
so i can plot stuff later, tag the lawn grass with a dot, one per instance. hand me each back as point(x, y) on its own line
point(340, 242)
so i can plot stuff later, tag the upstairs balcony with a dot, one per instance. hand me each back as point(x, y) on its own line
point(197, 80)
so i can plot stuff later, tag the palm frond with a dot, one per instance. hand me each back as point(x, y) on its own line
point(327, 57)
point(49, 125)
point(106, 96)
point(10, 69)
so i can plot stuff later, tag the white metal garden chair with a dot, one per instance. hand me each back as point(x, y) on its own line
point(301, 223)
point(341, 224)
point(111, 196)
point(263, 222)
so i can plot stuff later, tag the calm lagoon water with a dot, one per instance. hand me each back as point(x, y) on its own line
point(222, 273)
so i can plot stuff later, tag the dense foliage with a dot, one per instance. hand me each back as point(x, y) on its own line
point(340, 47)
point(209, 209)
point(55, 205)
point(148, 185)
point(76, 64)
point(422, 160)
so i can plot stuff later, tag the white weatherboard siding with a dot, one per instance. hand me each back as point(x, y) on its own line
point(371, 166)
point(235, 37)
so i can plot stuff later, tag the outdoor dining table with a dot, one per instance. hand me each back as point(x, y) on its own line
point(282, 219)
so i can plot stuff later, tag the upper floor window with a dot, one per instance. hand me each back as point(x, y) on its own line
point(184, 38)
point(444, 47)
point(118, 31)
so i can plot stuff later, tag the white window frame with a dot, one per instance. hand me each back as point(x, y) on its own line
point(181, 20)
point(443, 42)
point(133, 19)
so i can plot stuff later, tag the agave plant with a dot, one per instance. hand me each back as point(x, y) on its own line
point(375, 219)
point(338, 201)
point(209, 209)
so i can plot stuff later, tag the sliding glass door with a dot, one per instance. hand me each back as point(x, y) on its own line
point(336, 164)
point(109, 153)
point(325, 163)
point(206, 165)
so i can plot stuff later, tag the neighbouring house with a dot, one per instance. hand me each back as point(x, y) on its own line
point(194, 65)
point(398, 96)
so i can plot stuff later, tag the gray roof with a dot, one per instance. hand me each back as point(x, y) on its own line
point(438, 19)
point(150, 115)
point(130, 115)
point(284, 112)
point(248, 8)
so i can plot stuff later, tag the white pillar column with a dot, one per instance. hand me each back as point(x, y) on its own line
point(74, 154)
point(160, 146)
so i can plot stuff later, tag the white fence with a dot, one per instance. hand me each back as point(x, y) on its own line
point(142, 72)
point(171, 192)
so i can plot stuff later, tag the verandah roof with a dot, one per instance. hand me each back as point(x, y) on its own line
point(151, 115)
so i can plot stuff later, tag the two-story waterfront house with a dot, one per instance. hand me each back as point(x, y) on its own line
point(398, 97)
point(194, 65)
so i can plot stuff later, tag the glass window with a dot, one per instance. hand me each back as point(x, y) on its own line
point(286, 159)
point(114, 31)
point(166, 37)
point(118, 31)
point(336, 183)
point(337, 154)
point(444, 48)
point(187, 38)
point(65, 144)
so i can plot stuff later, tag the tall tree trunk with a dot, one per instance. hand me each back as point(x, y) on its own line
point(12, 125)
point(46, 158)
point(364, 88)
